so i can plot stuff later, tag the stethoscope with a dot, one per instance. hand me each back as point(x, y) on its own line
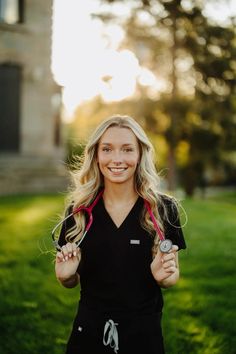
point(165, 245)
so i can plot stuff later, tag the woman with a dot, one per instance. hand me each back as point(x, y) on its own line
point(119, 265)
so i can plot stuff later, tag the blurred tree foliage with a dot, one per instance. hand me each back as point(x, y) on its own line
point(196, 112)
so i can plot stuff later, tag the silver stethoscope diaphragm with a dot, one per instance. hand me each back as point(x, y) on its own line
point(165, 245)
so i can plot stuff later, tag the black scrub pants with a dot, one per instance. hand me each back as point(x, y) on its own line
point(139, 334)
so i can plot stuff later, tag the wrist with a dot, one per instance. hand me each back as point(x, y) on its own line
point(70, 282)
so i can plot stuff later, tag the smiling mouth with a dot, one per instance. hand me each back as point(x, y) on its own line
point(117, 169)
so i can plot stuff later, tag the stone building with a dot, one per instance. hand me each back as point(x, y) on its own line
point(31, 147)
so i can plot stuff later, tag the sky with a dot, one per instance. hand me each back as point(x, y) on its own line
point(85, 57)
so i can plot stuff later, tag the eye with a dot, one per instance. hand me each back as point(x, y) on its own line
point(106, 149)
point(128, 149)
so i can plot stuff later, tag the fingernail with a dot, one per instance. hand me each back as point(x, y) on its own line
point(74, 253)
point(66, 258)
point(70, 255)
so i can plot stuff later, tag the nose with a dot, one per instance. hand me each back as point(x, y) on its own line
point(117, 158)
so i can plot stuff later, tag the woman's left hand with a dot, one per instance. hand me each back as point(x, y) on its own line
point(165, 267)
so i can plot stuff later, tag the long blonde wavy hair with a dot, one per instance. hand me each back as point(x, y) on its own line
point(88, 180)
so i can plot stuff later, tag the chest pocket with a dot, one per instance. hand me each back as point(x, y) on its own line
point(139, 250)
point(134, 259)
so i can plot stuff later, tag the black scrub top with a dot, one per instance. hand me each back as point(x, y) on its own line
point(114, 270)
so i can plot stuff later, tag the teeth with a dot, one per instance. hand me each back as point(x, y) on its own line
point(115, 169)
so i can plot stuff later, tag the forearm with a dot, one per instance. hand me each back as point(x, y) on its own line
point(71, 282)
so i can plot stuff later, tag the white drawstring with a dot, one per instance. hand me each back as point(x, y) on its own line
point(111, 332)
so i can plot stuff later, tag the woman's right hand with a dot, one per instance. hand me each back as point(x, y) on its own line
point(67, 262)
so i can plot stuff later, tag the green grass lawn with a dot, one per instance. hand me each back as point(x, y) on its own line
point(200, 311)
point(37, 312)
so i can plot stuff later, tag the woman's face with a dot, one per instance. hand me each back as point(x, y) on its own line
point(118, 155)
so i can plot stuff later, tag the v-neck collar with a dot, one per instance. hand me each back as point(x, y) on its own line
point(128, 216)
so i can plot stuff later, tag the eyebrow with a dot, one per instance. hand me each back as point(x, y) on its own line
point(127, 144)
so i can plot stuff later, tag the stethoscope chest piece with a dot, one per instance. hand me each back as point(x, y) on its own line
point(165, 245)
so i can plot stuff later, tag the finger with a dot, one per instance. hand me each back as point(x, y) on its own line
point(174, 248)
point(168, 257)
point(65, 252)
point(169, 264)
point(74, 253)
point(171, 270)
point(69, 249)
point(75, 249)
point(60, 257)
point(171, 253)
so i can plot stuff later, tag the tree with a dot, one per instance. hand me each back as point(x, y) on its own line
point(196, 57)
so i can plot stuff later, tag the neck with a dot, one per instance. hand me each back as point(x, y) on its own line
point(119, 193)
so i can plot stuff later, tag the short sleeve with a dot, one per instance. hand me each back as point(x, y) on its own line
point(67, 225)
point(171, 223)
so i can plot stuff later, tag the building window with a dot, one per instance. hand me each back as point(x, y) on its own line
point(11, 11)
point(56, 106)
point(10, 82)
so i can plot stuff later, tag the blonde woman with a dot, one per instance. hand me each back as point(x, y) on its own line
point(118, 264)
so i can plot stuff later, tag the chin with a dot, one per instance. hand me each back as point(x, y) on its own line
point(118, 180)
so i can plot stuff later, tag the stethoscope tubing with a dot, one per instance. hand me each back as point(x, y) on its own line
point(165, 244)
